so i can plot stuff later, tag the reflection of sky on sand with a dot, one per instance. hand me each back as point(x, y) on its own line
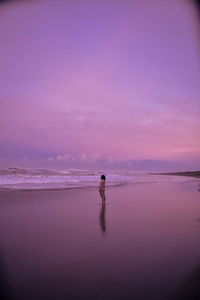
point(189, 287)
point(52, 241)
point(5, 289)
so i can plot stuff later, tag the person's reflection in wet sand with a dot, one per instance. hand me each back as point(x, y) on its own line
point(102, 217)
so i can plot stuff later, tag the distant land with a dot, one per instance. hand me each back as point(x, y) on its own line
point(190, 174)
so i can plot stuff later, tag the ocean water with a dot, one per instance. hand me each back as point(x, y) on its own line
point(38, 179)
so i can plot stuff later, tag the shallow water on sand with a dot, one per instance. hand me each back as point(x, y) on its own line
point(64, 245)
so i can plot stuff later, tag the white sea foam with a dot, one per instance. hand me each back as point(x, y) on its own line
point(18, 178)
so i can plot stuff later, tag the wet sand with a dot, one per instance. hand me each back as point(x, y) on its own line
point(144, 244)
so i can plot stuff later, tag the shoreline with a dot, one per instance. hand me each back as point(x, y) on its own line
point(63, 188)
point(195, 174)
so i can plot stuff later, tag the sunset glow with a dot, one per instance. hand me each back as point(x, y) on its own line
point(88, 83)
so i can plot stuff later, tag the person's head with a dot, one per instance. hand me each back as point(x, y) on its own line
point(103, 177)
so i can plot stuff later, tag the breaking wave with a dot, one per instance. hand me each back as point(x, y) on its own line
point(37, 179)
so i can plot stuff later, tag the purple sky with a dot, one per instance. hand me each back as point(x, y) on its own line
point(99, 83)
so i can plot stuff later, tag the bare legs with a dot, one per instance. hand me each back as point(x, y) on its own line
point(103, 197)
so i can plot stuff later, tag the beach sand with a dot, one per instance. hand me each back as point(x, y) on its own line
point(145, 243)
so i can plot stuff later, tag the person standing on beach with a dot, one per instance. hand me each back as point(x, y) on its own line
point(102, 188)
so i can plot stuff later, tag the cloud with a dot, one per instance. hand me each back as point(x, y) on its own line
point(64, 157)
point(80, 158)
